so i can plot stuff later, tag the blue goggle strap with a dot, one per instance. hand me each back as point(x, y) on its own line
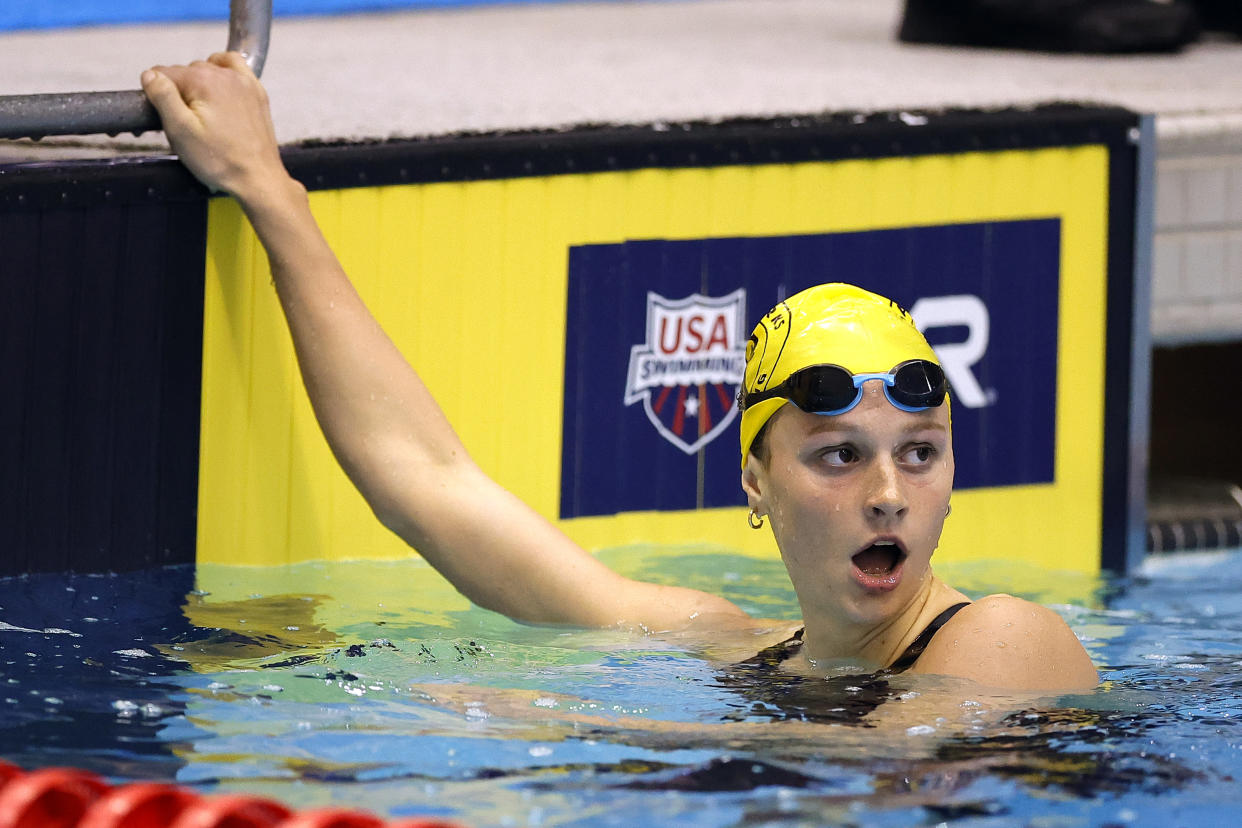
point(889, 380)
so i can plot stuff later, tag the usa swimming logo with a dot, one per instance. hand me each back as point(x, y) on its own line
point(687, 372)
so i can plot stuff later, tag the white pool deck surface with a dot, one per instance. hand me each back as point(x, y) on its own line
point(419, 73)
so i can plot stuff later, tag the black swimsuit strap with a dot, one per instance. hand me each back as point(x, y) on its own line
point(916, 648)
point(771, 657)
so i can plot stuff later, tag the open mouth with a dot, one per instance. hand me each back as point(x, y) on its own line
point(879, 559)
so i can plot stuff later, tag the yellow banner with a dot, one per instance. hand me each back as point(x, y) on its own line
point(471, 281)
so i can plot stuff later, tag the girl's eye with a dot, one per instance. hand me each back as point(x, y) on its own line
point(920, 455)
point(839, 455)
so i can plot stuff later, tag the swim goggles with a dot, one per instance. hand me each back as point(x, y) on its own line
point(913, 385)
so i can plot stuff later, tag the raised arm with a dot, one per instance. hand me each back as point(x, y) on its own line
point(379, 419)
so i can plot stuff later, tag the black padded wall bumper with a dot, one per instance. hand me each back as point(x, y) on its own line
point(100, 358)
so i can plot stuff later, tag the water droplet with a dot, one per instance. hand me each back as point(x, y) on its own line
point(132, 653)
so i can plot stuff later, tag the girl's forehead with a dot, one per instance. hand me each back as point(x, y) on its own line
point(874, 416)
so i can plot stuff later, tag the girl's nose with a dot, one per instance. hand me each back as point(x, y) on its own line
point(886, 497)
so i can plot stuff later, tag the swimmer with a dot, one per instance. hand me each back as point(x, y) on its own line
point(847, 454)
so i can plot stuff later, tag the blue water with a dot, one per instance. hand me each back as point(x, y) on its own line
point(374, 686)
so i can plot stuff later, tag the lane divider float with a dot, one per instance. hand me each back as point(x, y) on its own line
point(73, 798)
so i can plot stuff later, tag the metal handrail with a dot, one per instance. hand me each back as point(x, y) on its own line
point(111, 113)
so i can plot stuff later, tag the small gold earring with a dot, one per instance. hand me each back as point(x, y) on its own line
point(754, 519)
point(948, 510)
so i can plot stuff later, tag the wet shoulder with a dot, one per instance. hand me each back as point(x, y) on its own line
point(1007, 642)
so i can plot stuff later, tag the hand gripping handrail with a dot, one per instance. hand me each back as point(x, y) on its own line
point(88, 113)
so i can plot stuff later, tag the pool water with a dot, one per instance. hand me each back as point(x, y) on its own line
point(373, 685)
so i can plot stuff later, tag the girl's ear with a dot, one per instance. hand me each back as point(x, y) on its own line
point(754, 484)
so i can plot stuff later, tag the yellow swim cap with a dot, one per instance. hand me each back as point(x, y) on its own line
point(835, 323)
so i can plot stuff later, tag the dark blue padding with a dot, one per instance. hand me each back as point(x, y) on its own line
point(100, 368)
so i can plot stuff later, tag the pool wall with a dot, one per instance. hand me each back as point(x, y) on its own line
point(578, 301)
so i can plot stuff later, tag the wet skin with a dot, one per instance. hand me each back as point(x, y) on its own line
point(834, 485)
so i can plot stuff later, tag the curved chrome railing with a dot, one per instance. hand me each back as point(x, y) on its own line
point(88, 113)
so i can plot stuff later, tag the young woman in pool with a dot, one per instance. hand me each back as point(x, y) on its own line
point(852, 467)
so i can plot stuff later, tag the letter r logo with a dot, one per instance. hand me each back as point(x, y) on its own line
point(957, 357)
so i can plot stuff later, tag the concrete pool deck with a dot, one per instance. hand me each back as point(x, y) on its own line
point(521, 67)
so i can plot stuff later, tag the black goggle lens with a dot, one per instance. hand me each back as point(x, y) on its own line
point(918, 384)
point(821, 388)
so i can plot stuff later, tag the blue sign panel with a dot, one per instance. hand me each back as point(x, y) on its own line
point(656, 334)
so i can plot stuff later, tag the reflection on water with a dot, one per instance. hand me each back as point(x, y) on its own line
point(373, 685)
point(227, 633)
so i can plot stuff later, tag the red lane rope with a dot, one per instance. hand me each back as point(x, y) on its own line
point(72, 798)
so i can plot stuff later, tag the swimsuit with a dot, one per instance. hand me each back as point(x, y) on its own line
point(835, 698)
